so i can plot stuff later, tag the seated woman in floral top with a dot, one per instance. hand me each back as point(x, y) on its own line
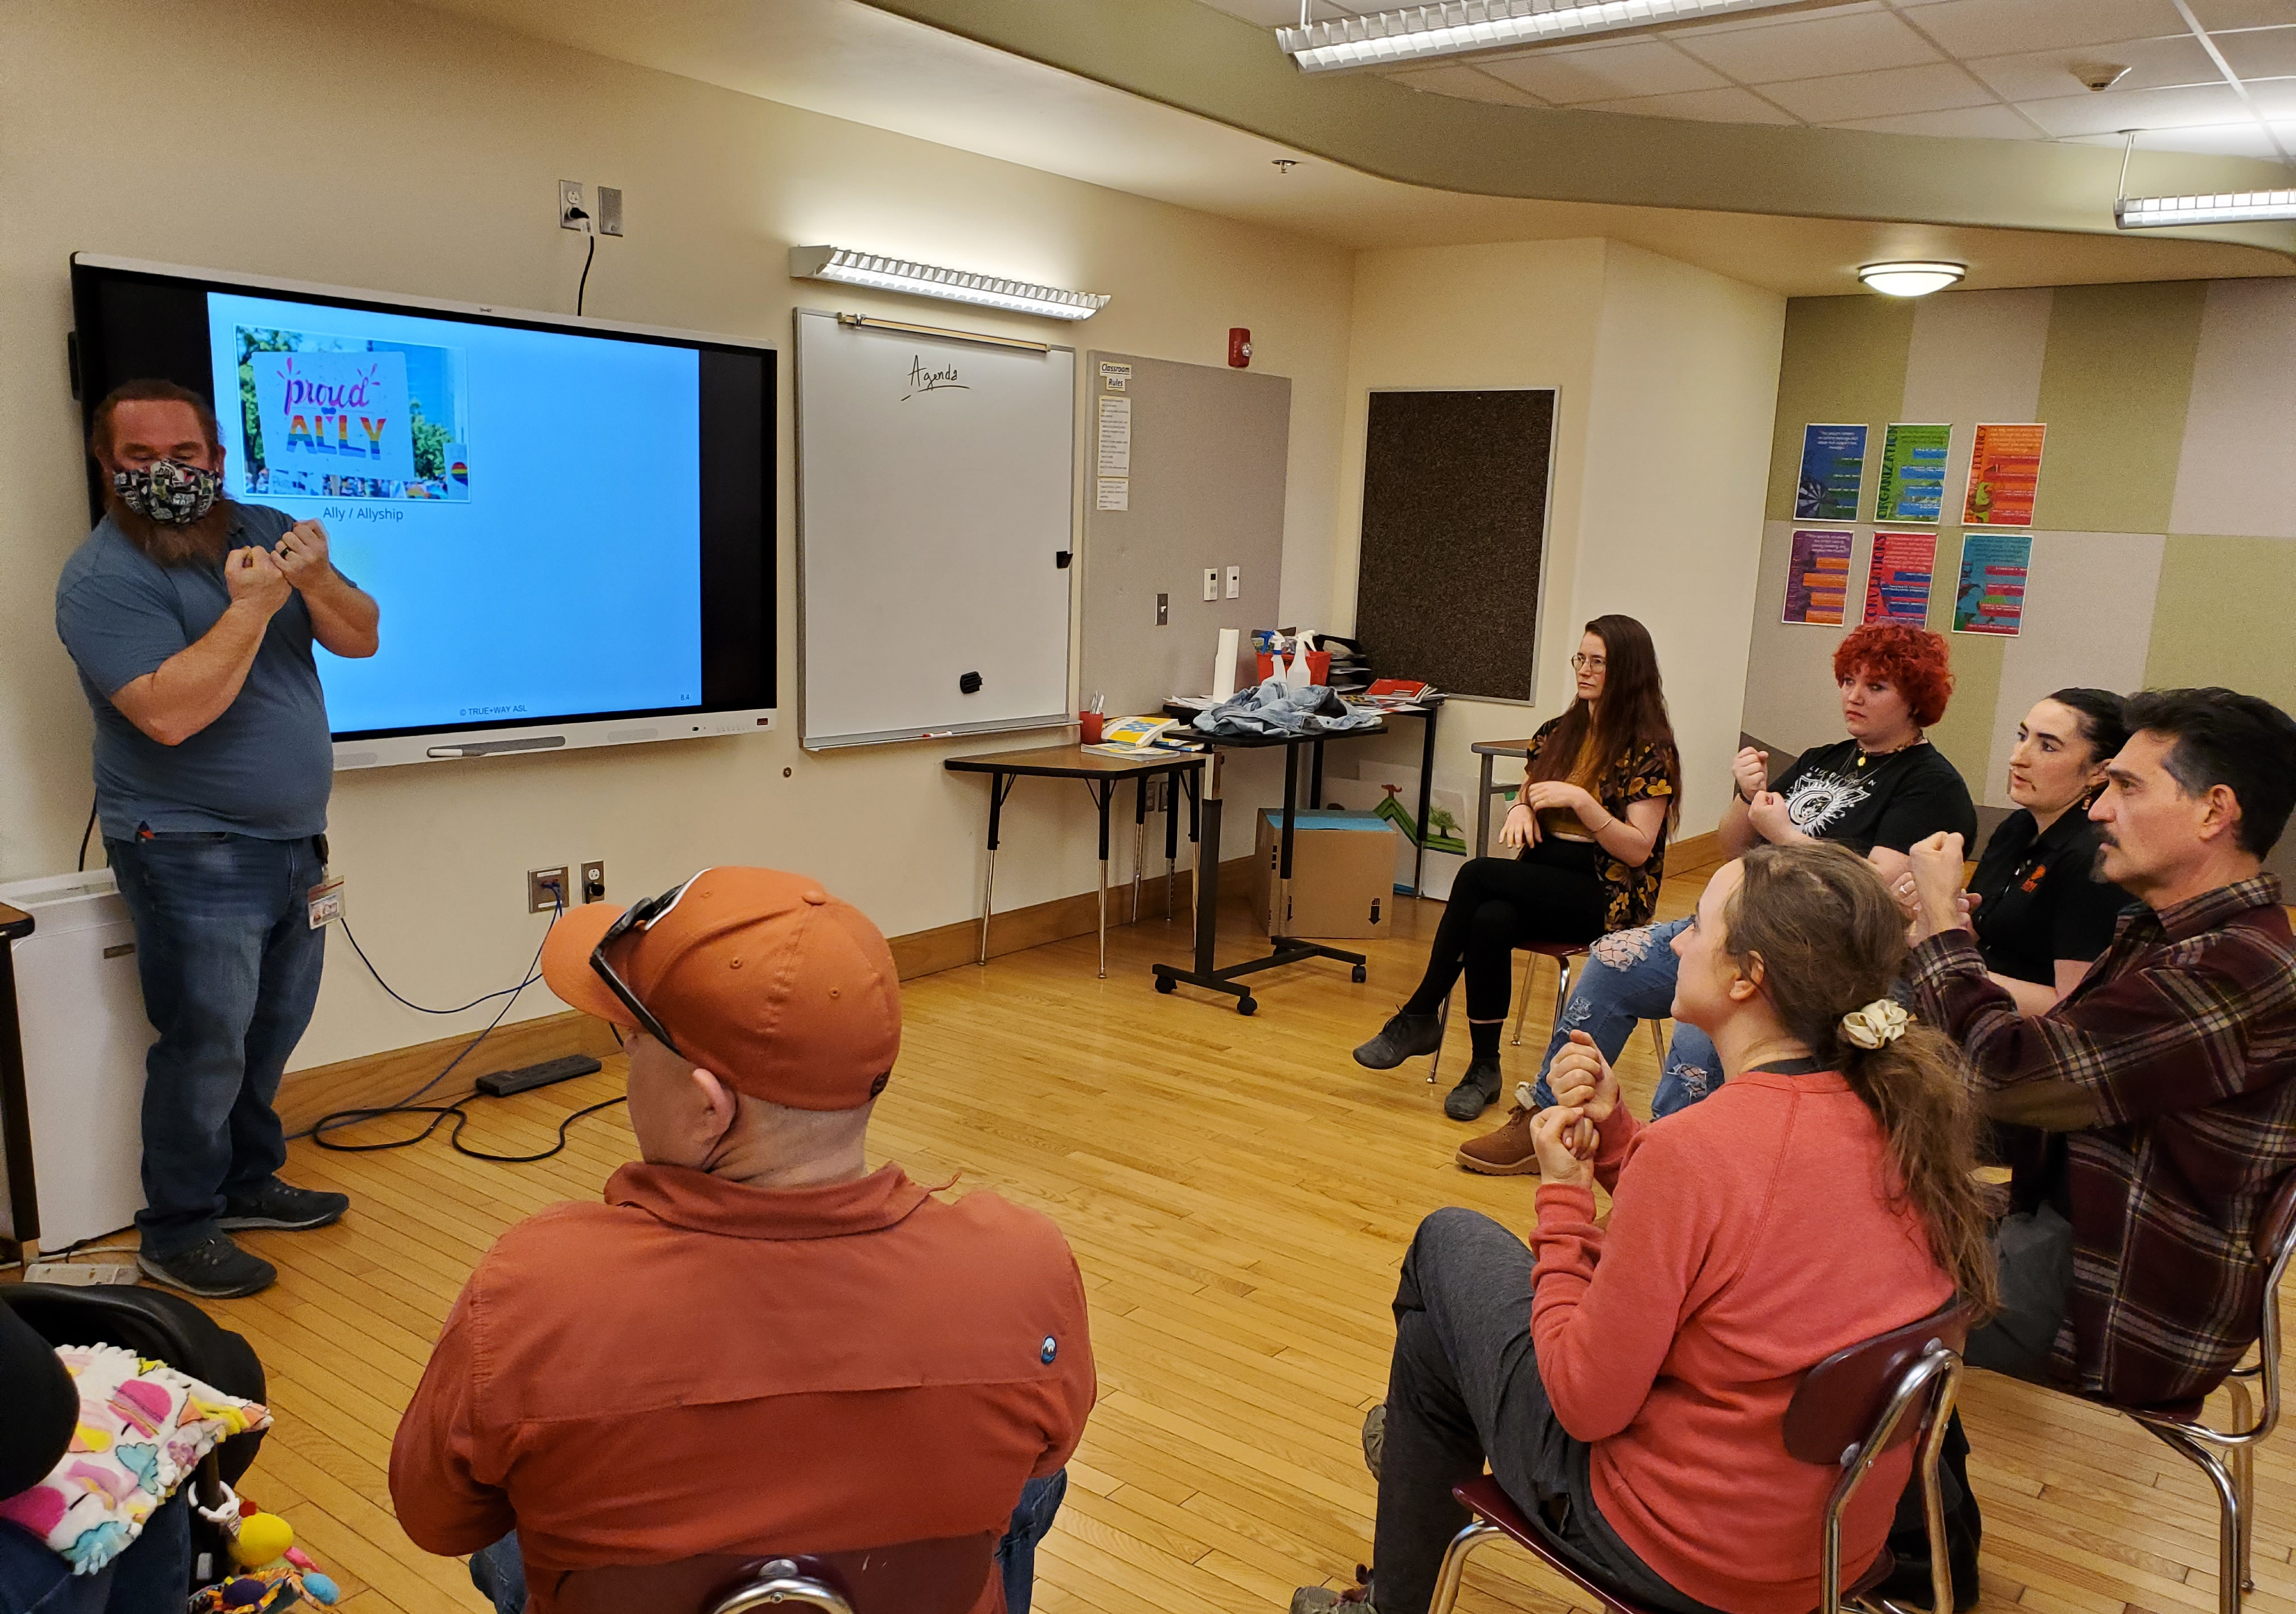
point(1599, 796)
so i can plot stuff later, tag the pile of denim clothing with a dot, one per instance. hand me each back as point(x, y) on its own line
point(1275, 707)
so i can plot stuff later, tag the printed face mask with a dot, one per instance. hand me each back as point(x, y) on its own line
point(168, 491)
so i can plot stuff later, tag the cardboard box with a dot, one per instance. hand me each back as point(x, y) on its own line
point(1342, 874)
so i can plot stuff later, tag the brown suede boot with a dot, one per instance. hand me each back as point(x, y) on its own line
point(1508, 1151)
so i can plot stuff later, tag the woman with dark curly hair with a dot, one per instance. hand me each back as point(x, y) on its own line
point(1876, 793)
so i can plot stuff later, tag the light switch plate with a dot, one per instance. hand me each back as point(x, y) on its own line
point(1234, 581)
point(1211, 583)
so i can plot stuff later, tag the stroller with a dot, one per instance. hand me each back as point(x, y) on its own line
point(170, 1329)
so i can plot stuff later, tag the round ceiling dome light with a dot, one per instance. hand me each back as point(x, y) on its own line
point(1911, 279)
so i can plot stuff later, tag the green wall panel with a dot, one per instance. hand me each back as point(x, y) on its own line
point(1844, 360)
point(2115, 387)
point(2222, 616)
point(1965, 733)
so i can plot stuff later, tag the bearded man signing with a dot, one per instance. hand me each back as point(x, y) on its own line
point(190, 619)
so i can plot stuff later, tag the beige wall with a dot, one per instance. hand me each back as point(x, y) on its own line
point(1667, 379)
point(397, 148)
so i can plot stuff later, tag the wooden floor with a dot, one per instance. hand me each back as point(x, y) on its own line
point(1239, 1193)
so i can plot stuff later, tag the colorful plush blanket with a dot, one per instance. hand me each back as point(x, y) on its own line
point(143, 1429)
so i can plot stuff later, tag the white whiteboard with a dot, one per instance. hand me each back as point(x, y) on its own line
point(934, 504)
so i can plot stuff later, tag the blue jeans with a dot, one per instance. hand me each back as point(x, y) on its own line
point(500, 1573)
point(230, 967)
point(152, 1576)
point(1628, 977)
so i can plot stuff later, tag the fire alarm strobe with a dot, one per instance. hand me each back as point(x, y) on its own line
point(1239, 347)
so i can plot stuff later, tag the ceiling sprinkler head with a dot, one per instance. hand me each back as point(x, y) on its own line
point(1285, 165)
point(2099, 75)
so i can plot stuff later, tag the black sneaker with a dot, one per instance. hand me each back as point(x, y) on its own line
point(1477, 1090)
point(1404, 1036)
point(281, 1205)
point(216, 1270)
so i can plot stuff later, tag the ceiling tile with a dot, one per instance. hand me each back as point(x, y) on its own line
point(2260, 52)
point(1466, 83)
point(1725, 105)
point(2242, 13)
point(2046, 75)
point(1967, 123)
point(2276, 98)
point(1904, 89)
point(1271, 13)
point(2246, 138)
point(1809, 47)
point(1995, 28)
point(2139, 109)
point(1605, 72)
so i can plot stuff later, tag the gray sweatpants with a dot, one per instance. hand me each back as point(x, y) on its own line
point(1465, 1387)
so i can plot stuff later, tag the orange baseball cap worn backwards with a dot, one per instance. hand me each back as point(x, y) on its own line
point(763, 979)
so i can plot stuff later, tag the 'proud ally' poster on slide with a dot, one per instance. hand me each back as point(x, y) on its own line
point(1832, 473)
point(338, 412)
point(1912, 486)
point(337, 417)
point(1818, 578)
point(1898, 582)
point(1992, 597)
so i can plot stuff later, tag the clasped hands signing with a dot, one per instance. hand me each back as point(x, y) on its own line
point(263, 577)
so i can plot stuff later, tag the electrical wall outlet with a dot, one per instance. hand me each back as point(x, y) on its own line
point(593, 881)
point(1234, 581)
point(1212, 582)
point(570, 204)
point(1163, 610)
point(546, 890)
point(610, 210)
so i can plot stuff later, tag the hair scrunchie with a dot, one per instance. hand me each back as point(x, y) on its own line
point(1882, 1020)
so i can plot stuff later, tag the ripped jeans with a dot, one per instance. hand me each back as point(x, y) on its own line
point(1629, 976)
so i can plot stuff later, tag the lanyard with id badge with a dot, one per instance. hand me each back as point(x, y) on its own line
point(323, 902)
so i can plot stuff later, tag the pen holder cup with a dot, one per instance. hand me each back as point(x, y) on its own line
point(1088, 728)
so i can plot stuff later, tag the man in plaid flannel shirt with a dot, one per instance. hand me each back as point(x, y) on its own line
point(2165, 1073)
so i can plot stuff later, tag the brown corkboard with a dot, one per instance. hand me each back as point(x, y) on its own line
point(1454, 532)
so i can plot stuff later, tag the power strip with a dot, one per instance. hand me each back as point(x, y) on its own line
point(79, 1277)
point(502, 1083)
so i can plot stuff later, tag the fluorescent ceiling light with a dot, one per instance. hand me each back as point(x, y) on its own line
point(1378, 39)
point(926, 280)
point(1911, 279)
point(2240, 208)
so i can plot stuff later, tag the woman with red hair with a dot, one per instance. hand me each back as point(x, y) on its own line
point(1876, 793)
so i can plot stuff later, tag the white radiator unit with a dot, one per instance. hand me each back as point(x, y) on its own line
point(81, 1010)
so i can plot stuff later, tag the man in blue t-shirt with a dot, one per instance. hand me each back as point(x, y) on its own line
point(190, 619)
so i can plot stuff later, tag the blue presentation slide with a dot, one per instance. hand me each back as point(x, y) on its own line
point(525, 505)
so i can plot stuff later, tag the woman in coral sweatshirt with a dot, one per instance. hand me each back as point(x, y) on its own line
point(1628, 1388)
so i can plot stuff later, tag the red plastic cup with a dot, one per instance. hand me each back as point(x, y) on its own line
point(1088, 728)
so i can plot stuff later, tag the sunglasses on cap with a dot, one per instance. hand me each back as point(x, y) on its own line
point(638, 917)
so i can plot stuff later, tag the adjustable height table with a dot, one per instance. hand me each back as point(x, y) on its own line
point(1101, 774)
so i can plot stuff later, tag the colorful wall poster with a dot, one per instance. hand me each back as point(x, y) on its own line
point(1911, 487)
point(1818, 578)
point(1832, 473)
point(1992, 597)
point(2005, 471)
point(1898, 582)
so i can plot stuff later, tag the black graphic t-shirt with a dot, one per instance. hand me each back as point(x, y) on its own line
point(2038, 902)
point(1835, 793)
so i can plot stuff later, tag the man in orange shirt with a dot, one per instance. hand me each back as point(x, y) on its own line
point(755, 1345)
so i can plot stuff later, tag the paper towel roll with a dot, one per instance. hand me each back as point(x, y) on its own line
point(1224, 664)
